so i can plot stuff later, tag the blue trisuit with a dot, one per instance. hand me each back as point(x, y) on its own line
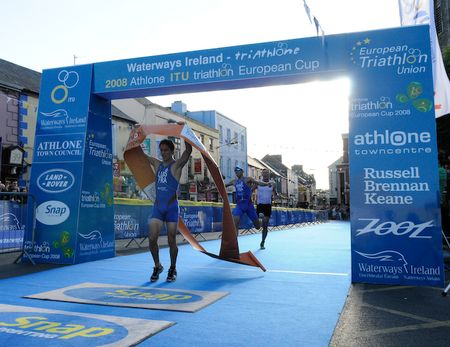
point(165, 207)
point(244, 203)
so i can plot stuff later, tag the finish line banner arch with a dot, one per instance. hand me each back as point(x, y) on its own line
point(395, 219)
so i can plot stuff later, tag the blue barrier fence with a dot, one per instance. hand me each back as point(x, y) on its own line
point(13, 216)
point(131, 217)
point(17, 216)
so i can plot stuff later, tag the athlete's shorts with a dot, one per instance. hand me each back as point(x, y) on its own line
point(168, 214)
point(245, 207)
point(265, 209)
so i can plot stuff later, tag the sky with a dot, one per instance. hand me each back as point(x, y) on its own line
point(304, 123)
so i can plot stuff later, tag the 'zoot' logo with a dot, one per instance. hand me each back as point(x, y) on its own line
point(404, 228)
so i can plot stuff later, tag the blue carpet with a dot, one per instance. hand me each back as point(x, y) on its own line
point(297, 302)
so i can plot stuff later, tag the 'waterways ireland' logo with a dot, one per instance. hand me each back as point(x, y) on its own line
point(390, 264)
point(93, 243)
point(60, 119)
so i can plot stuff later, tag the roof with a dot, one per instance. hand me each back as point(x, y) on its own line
point(255, 163)
point(145, 101)
point(119, 114)
point(275, 161)
point(19, 78)
point(267, 166)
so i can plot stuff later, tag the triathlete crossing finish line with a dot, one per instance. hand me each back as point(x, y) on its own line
point(142, 170)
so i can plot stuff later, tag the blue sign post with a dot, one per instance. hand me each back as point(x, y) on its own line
point(396, 231)
point(392, 142)
point(72, 171)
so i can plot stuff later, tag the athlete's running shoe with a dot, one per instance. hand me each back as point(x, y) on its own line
point(156, 271)
point(261, 245)
point(171, 275)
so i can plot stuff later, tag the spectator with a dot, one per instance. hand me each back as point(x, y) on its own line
point(13, 188)
point(2, 190)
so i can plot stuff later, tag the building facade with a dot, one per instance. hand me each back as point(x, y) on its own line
point(196, 182)
point(340, 178)
point(232, 143)
point(333, 179)
point(19, 93)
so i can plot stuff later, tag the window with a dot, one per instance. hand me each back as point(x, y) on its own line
point(228, 136)
point(211, 144)
point(242, 143)
point(177, 142)
point(202, 138)
point(220, 134)
point(205, 172)
point(235, 139)
point(197, 166)
point(228, 167)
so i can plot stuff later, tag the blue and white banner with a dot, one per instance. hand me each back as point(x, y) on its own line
point(13, 218)
point(198, 219)
point(229, 67)
point(396, 231)
point(56, 174)
point(95, 234)
point(71, 175)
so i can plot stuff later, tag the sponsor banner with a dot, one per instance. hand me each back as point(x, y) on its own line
point(59, 152)
point(95, 234)
point(198, 219)
point(128, 223)
point(249, 65)
point(217, 215)
point(59, 148)
point(128, 296)
point(131, 219)
point(13, 218)
point(396, 230)
point(30, 326)
point(273, 218)
point(57, 188)
point(62, 102)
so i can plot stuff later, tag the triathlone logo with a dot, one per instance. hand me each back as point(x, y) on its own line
point(391, 142)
